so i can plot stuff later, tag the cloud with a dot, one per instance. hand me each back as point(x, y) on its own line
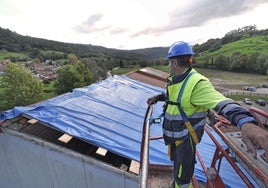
point(118, 31)
point(90, 25)
point(197, 14)
point(132, 24)
point(200, 12)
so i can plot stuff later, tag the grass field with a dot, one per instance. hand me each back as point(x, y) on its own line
point(247, 46)
point(7, 55)
point(229, 77)
point(224, 79)
point(232, 77)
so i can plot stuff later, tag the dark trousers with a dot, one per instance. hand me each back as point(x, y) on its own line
point(183, 157)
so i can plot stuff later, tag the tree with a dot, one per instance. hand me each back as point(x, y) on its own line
point(85, 72)
point(262, 64)
point(19, 87)
point(72, 58)
point(233, 61)
point(239, 65)
point(251, 63)
point(222, 62)
point(98, 69)
point(72, 76)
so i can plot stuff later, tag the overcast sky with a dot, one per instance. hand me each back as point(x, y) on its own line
point(131, 24)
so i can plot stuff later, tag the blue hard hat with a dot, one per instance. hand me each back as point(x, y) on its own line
point(179, 48)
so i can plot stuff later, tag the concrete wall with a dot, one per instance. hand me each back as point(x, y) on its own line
point(28, 162)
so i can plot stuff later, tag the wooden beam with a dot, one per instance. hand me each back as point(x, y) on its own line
point(134, 167)
point(65, 138)
point(32, 121)
point(124, 167)
point(101, 151)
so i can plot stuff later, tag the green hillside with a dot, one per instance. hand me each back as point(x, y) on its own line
point(249, 46)
point(242, 50)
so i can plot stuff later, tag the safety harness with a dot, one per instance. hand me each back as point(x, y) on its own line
point(184, 116)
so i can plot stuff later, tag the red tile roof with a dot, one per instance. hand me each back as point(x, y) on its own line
point(150, 76)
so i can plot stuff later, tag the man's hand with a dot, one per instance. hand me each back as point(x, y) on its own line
point(254, 137)
point(153, 100)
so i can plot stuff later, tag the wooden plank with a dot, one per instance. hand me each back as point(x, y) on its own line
point(32, 121)
point(134, 167)
point(101, 151)
point(65, 138)
point(124, 167)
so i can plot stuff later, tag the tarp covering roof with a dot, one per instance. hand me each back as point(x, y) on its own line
point(110, 114)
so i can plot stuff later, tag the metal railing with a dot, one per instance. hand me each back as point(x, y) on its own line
point(144, 154)
point(218, 155)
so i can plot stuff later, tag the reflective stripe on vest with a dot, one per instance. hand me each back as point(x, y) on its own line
point(179, 118)
point(184, 132)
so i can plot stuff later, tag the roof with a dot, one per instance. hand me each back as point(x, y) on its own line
point(150, 76)
point(108, 114)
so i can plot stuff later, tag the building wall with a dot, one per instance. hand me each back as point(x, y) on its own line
point(28, 162)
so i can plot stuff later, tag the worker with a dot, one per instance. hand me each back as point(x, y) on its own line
point(188, 97)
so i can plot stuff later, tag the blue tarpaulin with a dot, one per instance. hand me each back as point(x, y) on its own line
point(107, 114)
point(110, 114)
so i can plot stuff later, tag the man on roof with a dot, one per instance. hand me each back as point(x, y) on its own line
point(189, 95)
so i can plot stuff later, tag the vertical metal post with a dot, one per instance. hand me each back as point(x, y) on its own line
point(144, 155)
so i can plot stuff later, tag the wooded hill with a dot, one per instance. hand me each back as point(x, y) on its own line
point(242, 50)
point(238, 50)
point(16, 43)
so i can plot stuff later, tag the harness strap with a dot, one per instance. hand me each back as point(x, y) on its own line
point(184, 116)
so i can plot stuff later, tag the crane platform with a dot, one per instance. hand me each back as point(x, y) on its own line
point(236, 154)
